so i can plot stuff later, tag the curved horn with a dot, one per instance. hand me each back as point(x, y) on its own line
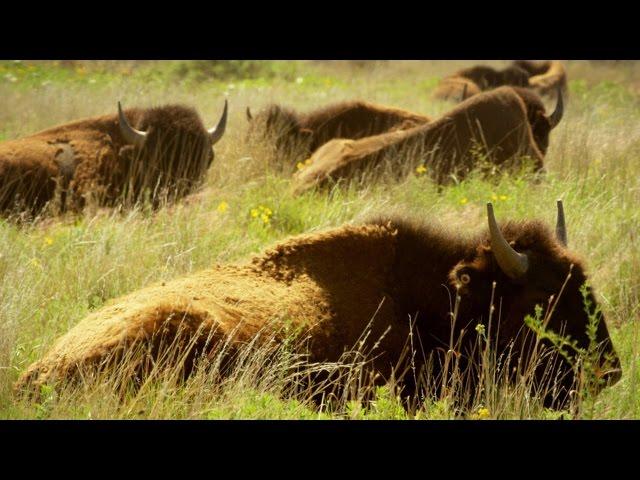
point(249, 116)
point(512, 263)
point(216, 132)
point(556, 116)
point(561, 229)
point(464, 92)
point(130, 134)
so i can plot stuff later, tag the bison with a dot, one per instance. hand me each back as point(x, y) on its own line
point(298, 135)
point(502, 125)
point(456, 89)
point(161, 152)
point(384, 275)
point(546, 77)
point(471, 81)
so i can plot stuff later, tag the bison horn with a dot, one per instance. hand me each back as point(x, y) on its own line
point(556, 116)
point(249, 116)
point(561, 229)
point(512, 263)
point(216, 132)
point(131, 135)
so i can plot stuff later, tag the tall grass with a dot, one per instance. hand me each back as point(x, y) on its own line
point(54, 271)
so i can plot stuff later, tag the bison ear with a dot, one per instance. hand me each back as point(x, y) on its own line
point(126, 154)
point(537, 118)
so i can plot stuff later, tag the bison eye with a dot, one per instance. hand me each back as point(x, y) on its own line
point(465, 278)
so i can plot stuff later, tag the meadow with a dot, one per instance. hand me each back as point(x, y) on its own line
point(53, 272)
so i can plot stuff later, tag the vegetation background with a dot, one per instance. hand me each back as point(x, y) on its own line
point(54, 271)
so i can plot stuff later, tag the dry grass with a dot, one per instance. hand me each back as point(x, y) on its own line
point(54, 271)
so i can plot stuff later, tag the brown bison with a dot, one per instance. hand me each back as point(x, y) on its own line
point(382, 275)
point(456, 89)
point(546, 77)
point(301, 134)
point(501, 125)
point(161, 152)
point(471, 81)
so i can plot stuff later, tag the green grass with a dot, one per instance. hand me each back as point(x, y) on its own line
point(56, 271)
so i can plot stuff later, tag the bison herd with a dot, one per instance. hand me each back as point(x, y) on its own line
point(384, 274)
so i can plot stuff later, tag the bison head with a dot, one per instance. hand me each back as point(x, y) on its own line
point(524, 266)
point(168, 150)
point(487, 77)
point(541, 124)
point(280, 126)
point(514, 75)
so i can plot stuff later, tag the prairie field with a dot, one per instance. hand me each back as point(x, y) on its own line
point(54, 271)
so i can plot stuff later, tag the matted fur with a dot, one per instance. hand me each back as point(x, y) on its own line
point(89, 160)
point(303, 133)
point(331, 286)
point(456, 89)
point(468, 82)
point(504, 124)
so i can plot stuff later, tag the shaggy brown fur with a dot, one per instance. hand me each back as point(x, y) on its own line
point(545, 76)
point(503, 124)
point(488, 78)
point(89, 159)
point(471, 81)
point(304, 133)
point(456, 89)
point(332, 284)
point(537, 116)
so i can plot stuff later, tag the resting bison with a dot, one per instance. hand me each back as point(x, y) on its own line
point(546, 76)
point(456, 89)
point(159, 152)
point(330, 285)
point(301, 134)
point(471, 81)
point(502, 125)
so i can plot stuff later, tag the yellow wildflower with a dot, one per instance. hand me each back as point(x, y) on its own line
point(262, 212)
point(222, 207)
point(494, 197)
point(48, 241)
point(299, 165)
point(503, 197)
point(421, 169)
point(483, 413)
point(464, 201)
